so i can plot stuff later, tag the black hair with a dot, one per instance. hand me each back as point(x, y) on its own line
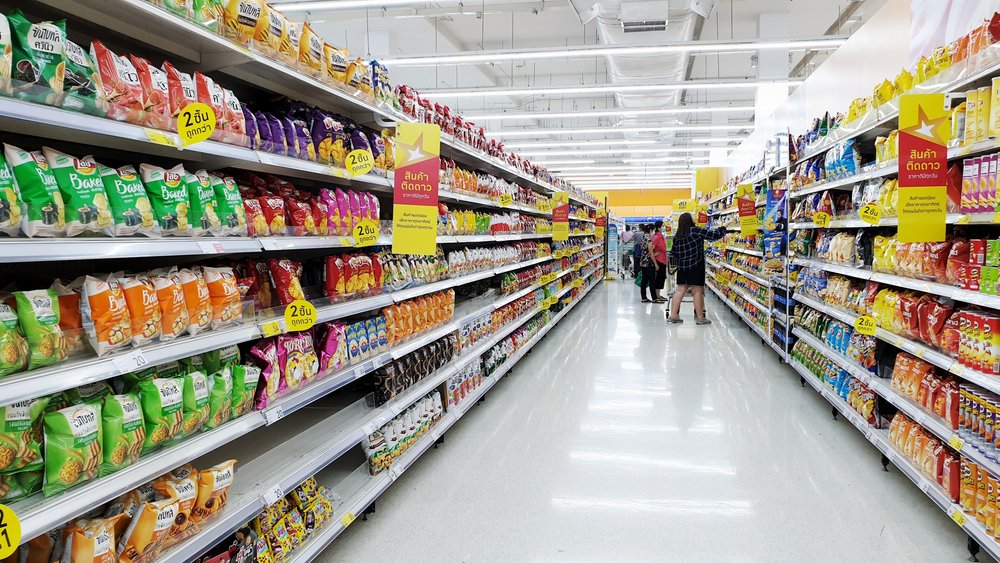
point(684, 225)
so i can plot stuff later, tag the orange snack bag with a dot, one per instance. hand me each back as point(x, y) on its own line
point(213, 489)
point(390, 323)
point(196, 296)
point(185, 492)
point(173, 307)
point(224, 295)
point(105, 314)
point(143, 308)
point(147, 529)
point(70, 321)
point(91, 541)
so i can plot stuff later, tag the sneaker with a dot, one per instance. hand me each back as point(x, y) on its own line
point(702, 322)
point(676, 320)
point(644, 300)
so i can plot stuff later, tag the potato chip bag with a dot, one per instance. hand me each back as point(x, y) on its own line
point(155, 94)
point(10, 198)
point(124, 432)
point(267, 35)
point(212, 95)
point(240, 20)
point(285, 276)
point(256, 222)
point(336, 64)
point(197, 298)
point(201, 205)
point(91, 541)
point(38, 316)
point(220, 399)
point(213, 489)
point(273, 209)
point(245, 378)
point(168, 193)
point(130, 209)
point(162, 401)
point(39, 59)
point(86, 204)
point(311, 53)
point(73, 440)
point(45, 213)
point(224, 295)
point(185, 491)
point(82, 83)
point(174, 317)
point(120, 82)
point(20, 442)
point(141, 540)
point(288, 47)
point(229, 207)
point(180, 89)
point(13, 346)
point(143, 308)
point(105, 314)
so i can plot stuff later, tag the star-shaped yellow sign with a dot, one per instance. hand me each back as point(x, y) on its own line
point(934, 130)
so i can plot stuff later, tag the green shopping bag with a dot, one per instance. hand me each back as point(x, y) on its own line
point(638, 279)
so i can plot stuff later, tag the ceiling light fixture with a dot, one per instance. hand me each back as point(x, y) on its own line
point(590, 51)
point(623, 112)
point(590, 143)
point(551, 131)
point(604, 88)
point(557, 162)
point(328, 5)
point(532, 153)
point(571, 169)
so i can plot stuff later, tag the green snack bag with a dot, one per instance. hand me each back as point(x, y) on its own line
point(10, 199)
point(220, 401)
point(19, 485)
point(162, 402)
point(214, 360)
point(20, 435)
point(38, 315)
point(130, 208)
point(168, 194)
point(39, 60)
point(229, 207)
point(244, 388)
point(72, 446)
point(131, 380)
point(209, 13)
point(196, 406)
point(202, 208)
point(82, 84)
point(82, 193)
point(192, 363)
point(169, 369)
point(124, 432)
point(45, 214)
point(13, 347)
point(89, 393)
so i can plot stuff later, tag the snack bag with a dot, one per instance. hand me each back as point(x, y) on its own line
point(144, 534)
point(212, 95)
point(20, 485)
point(209, 13)
point(273, 209)
point(82, 83)
point(105, 314)
point(245, 378)
point(180, 89)
point(285, 279)
point(288, 47)
point(220, 401)
point(196, 408)
point(6, 55)
point(256, 222)
point(269, 31)
point(297, 359)
point(264, 354)
point(215, 360)
point(311, 59)
point(91, 541)
point(120, 83)
point(174, 317)
point(73, 440)
point(162, 410)
point(241, 18)
point(10, 198)
point(224, 295)
point(201, 205)
point(336, 64)
point(143, 308)
point(86, 204)
point(168, 194)
point(185, 492)
point(197, 298)
point(235, 123)
point(45, 214)
point(38, 316)
point(39, 59)
point(213, 489)
point(13, 347)
point(155, 94)
point(20, 445)
point(130, 209)
point(124, 432)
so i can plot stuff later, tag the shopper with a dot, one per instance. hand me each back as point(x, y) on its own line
point(628, 243)
point(689, 253)
point(658, 250)
point(645, 260)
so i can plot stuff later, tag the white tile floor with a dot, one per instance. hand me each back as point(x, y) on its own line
point(621, 438)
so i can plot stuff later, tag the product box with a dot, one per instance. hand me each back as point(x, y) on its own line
point(977, 252)
point(970, 184)
point(988, 280)
point(971, 109)
point(973, 277)
point(993, 252)
point(983, 113)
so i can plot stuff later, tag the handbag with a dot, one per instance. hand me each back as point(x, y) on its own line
point(638, 279)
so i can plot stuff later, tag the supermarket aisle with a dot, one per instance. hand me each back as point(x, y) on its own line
point(620, 438)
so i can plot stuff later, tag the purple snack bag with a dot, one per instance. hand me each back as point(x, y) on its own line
point(307, 150)
point(264, 130)
point(364, 211)
point(252, 132)
point(374, 206)
point(277, 134)
point(288, 131)
point(358, 139)
point(297, 359)
point(264, 355)
point(333, 348)
point(329, 138)
point(377, 145)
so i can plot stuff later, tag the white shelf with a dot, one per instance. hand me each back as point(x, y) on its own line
point(753, 326)
point(582, 234)
point(469, 199)
point(751, 299)
point(721, 196)
point(848, 182)
point(741, 250)
point(756, 278)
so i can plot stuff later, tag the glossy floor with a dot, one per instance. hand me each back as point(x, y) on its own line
point(622, 438)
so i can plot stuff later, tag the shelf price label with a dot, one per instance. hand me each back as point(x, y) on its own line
point(359, 162)
point(865, 325)
point(956, 443)
point(366, 233)
point(822, 219)
point(958, 516)
point(506, 200)
point(10, 532)
point(195, 123)
point(300, 315)
point(160, 138)
point(272, 328)
point(128, 363)
point(347, 519)
point(870, 213)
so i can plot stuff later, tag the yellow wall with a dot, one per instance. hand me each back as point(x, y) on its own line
point(632, 203)
point(707, 179)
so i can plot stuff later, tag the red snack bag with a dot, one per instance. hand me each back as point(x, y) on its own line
point(181, 88)
point(155, 94)
point(256, 222)
point(936, 261)
point(235, 122)
point(334, 279)
point(911, 319)
point(273, 208)
point(285, 276)
point(377, 277)
point(320, 212)
point(958, 258)
point(951, 479)
point(951, 335)
point(120, 82)
point(933, 315)
point(300, 217)
point(946, 402)
point(211, 94)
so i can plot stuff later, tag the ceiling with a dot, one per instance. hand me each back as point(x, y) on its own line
point(450, 26)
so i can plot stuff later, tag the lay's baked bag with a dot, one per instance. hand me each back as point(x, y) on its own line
point(168, 194)
point(45, 214)
point(82, 190)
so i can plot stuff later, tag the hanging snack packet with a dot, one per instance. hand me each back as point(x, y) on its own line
point(86, 204)
point(120, 83)
point(124, 432)
point(142, 539)
point(185, 492)
point(143, 308)
point(245, 378)
point(174, 317)
point(213, 490)
point(38, 315)
point(220, 401)
point(336, 64)
point(13, 347)
point(45, 212)
point(267, 34)
point(73, 440)
point(225, 296)
point(20, 444)
point(168, 194)
point(92, 541)
point(197, 298)
point(39, 59)
point(105, 314)
point(10, 199)
point(129, 205)
point(70, 320)
point(162, 403)
point(155, 94)
point(82, 83)
point(241, 18)
point(201, 205)
point(229, 207)
point(181, 90)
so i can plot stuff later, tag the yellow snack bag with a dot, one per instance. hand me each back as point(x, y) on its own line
point(149, 526)
point(994, 122)
point(883, 93)
point(91, 541)
point(213, 489)
point(971, 121)
point(185, 492)
point(288, 47)
point(241, 19)
point(904, 81)
point(311, 59)
point(336, 64)
point(983, 98)
point(941, 57)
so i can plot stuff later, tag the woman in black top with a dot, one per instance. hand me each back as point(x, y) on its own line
point(688, 253)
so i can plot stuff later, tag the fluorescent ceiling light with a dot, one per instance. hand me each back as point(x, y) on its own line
point(328, 5)
point(657, 159)
point(591, 51)
point(623, 150)
point(606, 113)
point(620, 167)
point(555, 162)
point(605, 88)
point(716, 139)
point(556, 131)
point(589, 143)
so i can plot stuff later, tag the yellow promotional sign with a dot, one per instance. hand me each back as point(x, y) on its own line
point(366, 232)
point(822, 219)
point(415, 189)
point(684, 205)
point(10, 532)
point(359, 162)
point(160, 138)
point(870, 213)
point(560, 197)
point(299, 315)
point(195, 123)
point(865, 325)
point(924, 132)
point(506, 200)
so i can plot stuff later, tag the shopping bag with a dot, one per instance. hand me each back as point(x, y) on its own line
point(638, 279)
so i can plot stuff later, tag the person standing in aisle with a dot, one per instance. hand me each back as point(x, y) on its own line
point(658, 250)
point(628, 242)
point(689, 253)
point(645, 261)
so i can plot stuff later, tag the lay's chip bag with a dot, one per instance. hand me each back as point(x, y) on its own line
point(168, 194)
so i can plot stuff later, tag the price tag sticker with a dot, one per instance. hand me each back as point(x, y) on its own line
point(870, 213)
point(964, 220)
point(345, 241)
point(128, 363)
point(160, 138)
point(338, 172)
point(211, 247)
point(10, 532)
point(300, 315)
point(272, 328)
point(822, 219)
point(865, 325)
point(195, 123)
point(956, 442)
point(347, 519)
point(957, 368)
point(272, 496)
point(273, 415)
point(506, 200)
point(919, 352)
point(366, 233)
point(268, 243)
point(958, 516)
point(359, 162)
